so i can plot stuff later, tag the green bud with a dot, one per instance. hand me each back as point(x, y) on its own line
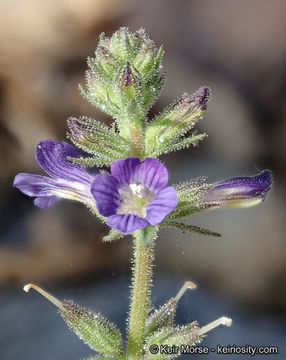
point(167, 128)
point(162, 317)
point(97, 139)
point(92, 328)
point(172, 336)
point(124, 80)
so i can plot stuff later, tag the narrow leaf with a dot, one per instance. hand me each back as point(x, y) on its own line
point(192, 228)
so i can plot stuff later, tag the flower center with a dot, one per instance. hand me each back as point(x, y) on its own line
point(135, 198)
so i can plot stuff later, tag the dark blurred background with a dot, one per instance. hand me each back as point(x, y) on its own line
point(237, 48)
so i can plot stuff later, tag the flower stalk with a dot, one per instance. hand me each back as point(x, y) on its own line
point(140, 293)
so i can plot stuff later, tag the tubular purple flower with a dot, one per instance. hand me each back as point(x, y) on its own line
point(67, 180)
point(239, 191)
point(134, 195)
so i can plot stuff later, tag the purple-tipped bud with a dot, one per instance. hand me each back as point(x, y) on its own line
point(201, 97)
point(104, 52)
point(74, 128)
point(240, 191)
point(127, 75)
point(189, 108)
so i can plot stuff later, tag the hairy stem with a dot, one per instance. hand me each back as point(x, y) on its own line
point(142, 272)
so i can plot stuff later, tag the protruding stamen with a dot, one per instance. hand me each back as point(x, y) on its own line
point(48, 296)
point(187, 285)
point(221, 321)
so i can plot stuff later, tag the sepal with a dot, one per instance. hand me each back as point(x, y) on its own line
point(190, 198)
point(92, 328)
point(149, 233)
point(172, 336)
point(162, 317)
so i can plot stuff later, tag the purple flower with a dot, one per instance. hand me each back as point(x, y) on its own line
point(67, 180)
point(134, 195)
point(239, 191)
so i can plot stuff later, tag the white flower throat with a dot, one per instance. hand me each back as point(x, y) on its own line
point(135, 198)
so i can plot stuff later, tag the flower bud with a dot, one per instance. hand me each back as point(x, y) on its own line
point(135, 59)
point(168, 128)
point(239, 191)
point(97, 139)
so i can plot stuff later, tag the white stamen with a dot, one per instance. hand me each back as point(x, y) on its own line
point(221, 321)
point(187, 285)
point(137, 189)
point(135, 198)
point(48, 296)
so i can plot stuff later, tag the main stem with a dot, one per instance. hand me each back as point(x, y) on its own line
point(142, 271)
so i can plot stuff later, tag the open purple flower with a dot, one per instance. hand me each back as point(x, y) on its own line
point(134, 195)
point(239, 191)
point(67, 180)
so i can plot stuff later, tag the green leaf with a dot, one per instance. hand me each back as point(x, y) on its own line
point(192, 228)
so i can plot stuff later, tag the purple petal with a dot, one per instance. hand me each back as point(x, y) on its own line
point(123, 169)
point(43, 186)
point(165, 201)
point(126, 223)
point(152, 173)
point(70, 150)
point(35, 185)
point(240, 191)
point(105, 192)
point(45, 202)
point(52, 157)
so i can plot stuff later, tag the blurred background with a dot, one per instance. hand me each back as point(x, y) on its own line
point(237, 48)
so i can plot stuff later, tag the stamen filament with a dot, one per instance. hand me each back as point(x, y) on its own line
point(187, 285)
point(48, 296)
point(221, 321)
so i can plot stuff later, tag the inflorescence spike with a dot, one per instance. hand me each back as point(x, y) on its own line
point(221, 321)
point(48, 296)
point(187, 285)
